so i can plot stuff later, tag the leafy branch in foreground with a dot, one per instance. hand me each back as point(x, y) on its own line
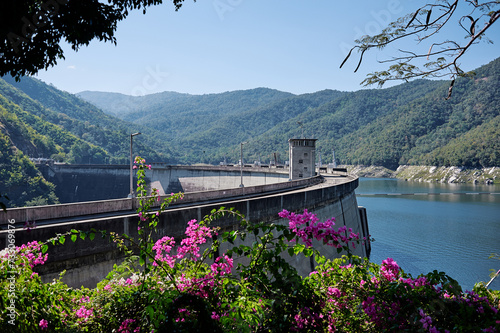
point(31, 30)
point(442, 56)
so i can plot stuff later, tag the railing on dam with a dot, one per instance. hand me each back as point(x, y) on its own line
point(50, 212)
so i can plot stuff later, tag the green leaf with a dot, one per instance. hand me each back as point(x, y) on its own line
point(91, 235)
point(150, 311)
point(320, 259)
point(298, 248)
point(74, 237)
point(62, 239)
point(45, 247)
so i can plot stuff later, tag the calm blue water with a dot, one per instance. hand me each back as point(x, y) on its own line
point(454, 231)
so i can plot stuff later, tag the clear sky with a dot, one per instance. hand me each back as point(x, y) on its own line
point(213, 46)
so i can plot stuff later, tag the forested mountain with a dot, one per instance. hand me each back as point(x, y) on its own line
point(37, 120)
point(434, 131)
point(83, 120)
point(205, 128)
point(169, 103)
point(410, 123)
point(19, 178)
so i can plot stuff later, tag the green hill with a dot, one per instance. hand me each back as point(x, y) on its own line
point(83, 120)
point(19, 178)
point(57, 125)
point(409, 124)
point(207, 128)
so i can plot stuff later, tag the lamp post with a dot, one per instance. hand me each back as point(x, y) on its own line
point(241, 164)
point(131, 194)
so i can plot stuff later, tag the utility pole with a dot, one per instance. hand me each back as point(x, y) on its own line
point(241, 163)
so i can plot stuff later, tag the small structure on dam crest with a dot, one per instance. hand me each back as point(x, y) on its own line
point(302, 158)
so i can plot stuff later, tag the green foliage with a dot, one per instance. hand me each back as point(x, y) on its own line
point(406, 124)
point(440, 56)
point(96, 137)
point(249, 288)
point(20, 179)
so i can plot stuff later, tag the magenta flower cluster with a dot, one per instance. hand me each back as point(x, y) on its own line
point(127, 325)
point(308, 227)
point(32, 251)
point(43, 324)
point(196, 236)
point(141, 162)
point(383, 312)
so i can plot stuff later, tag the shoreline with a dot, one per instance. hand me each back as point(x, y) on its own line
point(430, 174)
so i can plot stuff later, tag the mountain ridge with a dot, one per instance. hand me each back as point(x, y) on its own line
point(407, 124)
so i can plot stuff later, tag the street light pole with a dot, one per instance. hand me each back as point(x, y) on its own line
point(131, 194)
point(241, 164)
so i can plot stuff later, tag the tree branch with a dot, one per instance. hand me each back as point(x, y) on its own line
point(440, 62)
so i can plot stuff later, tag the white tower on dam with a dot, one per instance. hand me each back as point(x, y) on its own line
point(302, 158)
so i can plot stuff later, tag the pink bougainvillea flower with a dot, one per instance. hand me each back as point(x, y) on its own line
point(43, 324)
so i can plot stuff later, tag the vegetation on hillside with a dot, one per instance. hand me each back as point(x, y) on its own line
point(19, 178)
point(82, 120)
point(32, 130)
point(406, 124)
point(409, 124)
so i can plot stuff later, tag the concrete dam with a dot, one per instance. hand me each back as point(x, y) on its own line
point(265, 193)
point(78, 183)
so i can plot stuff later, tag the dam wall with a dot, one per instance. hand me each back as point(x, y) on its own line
point(87, 262)
point(79, 183)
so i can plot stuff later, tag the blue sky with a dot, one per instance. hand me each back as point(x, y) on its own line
point(213, 46)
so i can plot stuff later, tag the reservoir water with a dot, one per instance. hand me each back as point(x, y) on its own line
point(428, 226)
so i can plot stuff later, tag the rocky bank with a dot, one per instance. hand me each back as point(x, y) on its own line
point(430, 173)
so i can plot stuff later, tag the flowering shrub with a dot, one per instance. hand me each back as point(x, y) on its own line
point(187, 285)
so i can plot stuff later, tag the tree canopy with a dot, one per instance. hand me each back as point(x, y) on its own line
point(429, 20)
point(32, 30)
